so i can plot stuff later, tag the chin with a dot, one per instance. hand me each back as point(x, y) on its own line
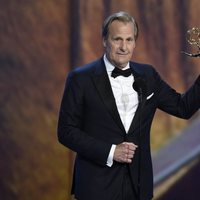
point(121, 65)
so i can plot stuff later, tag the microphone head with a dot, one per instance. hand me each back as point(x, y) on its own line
point(140, 86)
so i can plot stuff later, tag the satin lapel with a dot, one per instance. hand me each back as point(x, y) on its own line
point(136, 73)
point(102, 83)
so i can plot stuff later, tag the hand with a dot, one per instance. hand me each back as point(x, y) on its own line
point(124, 152)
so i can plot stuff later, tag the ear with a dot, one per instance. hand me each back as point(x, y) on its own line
point(104, 42)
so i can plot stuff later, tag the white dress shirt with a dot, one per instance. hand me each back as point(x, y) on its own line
point(126, 99)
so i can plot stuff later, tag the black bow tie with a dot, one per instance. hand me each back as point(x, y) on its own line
point(119, 72)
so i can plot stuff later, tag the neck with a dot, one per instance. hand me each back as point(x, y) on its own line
point(124, 66)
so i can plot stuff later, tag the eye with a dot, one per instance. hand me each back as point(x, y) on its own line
point(130, 39)
point(117, 39)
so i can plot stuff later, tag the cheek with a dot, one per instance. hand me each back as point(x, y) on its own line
point(111, 49)
point(131, 48)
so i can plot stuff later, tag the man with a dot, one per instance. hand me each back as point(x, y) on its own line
point(106, 115)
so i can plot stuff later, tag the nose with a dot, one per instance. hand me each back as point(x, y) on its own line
point(123, 45)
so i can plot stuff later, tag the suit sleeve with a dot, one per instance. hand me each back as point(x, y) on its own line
point(70, 124)
point(174, 103)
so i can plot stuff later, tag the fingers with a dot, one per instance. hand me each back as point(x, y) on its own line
point(130, 151)
point(124, 152)
point(130, 146)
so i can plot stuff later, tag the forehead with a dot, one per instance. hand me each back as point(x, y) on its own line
point(119, 27)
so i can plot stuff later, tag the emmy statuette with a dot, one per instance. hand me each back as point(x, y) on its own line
point(193, 38)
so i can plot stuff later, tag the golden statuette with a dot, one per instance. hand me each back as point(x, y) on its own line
point(193, 38)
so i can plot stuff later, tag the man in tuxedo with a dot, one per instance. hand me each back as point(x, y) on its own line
point(106, 115)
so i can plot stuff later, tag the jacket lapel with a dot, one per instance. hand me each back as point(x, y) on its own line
point(137, 73)
point(102, 83)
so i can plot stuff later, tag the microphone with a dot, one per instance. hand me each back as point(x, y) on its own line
point(140, 87)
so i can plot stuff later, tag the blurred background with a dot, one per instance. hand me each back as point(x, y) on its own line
point(40, 42)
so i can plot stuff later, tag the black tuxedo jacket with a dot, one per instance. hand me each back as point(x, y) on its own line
point(89, 124)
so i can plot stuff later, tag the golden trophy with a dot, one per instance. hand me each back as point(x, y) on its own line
point(193, 38)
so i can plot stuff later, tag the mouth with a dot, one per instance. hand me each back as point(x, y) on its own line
point(122, 54)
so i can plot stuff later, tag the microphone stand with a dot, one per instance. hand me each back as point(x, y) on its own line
point(140, 98)
point(140, 87)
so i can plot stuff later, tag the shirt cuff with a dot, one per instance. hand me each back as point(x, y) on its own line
point(110, 156)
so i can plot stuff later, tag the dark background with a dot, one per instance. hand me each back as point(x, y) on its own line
point(40, 42)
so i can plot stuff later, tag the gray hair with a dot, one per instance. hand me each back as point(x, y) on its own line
point(120, 16)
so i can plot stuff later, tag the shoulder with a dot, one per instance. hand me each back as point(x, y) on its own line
point(148, 73)
point(143, 69)
point(86, 69)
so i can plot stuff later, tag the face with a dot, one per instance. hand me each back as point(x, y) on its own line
point(120, 43)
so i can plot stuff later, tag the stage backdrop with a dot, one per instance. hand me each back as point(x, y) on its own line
point(40, 42)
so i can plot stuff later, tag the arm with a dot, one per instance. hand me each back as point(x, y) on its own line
point(70, 125)
point(179, 105)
